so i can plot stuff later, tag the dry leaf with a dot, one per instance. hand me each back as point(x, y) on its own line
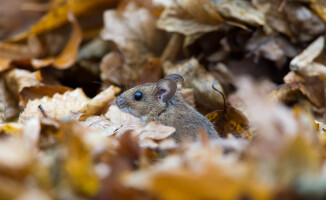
point(101, 124)
point(39, 91)
point(100, 101)
point(176, 19)
point(294, 20)
point(68, 55)
point(59, 106)
point(18, 79)
point(138, 41)
point(230, 120)
point(9, 108)
point(12, 128)
point(77, 163)
point(154, 130)
point(312, 87)
point(241, 11)
point(58, 15)
point(197, 78)
point(118, 117)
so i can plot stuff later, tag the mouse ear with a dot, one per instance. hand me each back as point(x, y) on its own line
point(176, 77)
point(165, 89)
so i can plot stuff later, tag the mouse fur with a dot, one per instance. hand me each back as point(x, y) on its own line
point(162, 103)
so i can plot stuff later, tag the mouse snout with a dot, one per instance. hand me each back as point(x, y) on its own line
point(120, 102)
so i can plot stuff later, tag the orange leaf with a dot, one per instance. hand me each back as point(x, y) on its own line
point(69, 54)
point(58, 16)
point(231, 120)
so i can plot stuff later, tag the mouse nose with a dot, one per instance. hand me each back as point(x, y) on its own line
point(120, 102)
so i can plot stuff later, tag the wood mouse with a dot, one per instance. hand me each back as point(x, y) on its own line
point(162, 103)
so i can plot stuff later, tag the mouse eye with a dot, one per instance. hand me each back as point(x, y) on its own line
point(138, 96)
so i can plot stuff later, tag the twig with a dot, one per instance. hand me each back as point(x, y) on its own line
point(42, 111)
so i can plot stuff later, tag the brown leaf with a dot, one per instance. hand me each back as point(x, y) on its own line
point(312, 87)
point(58, 15)
point(39, 91)
point(77, 163)
point(230, 120)
point(138, 41)
point(100, 101)
point(68, 55)
point(197, 78)
point(18, 79)
point(305, 63)
point(241, 11)
point(177, 19)
point(290, 20)
point(8, 102)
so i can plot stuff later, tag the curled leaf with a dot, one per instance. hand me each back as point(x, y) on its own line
point(69, 54)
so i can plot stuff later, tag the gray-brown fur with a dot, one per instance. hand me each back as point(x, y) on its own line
point(168, 111)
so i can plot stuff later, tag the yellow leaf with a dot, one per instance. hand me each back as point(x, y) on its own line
point(58, 16)
point(69, 54)
point(12, 128)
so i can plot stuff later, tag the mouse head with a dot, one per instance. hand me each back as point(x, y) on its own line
point(150, 98)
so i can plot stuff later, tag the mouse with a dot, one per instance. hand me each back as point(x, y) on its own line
point(161, 102)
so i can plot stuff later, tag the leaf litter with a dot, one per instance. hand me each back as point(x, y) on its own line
point(63, 137)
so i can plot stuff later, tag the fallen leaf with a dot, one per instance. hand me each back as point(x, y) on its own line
point(154, 131)
point(138, 41)
point(4, 64)
point(197, 78)
point(9, 107)
point(77, 163)
point(290, 20)
point(311, 87)
point(39, 91)
point(118, 117)
point(18, 79)
point(12, 128)
point(305, 63)
point(100, 101)
point(68, 55)
point(58, 15)
point(242, 11)
point(58, 106)
point(230, 120)
point(177, 19)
